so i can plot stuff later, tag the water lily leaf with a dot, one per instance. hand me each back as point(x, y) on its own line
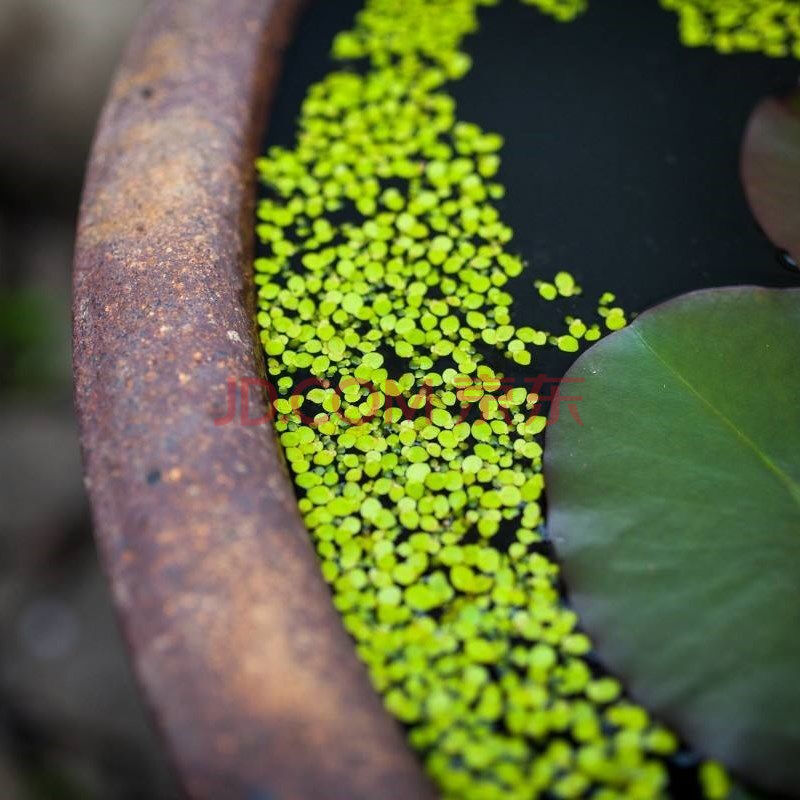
point(771, 170)
point(675, 508)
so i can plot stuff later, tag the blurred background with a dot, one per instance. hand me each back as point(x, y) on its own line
point(71, 722)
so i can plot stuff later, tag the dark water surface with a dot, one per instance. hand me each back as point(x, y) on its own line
point(307, 61)
point(622, 149)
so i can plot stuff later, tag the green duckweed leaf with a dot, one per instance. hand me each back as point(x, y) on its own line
point(675, 508)
point(771, 170)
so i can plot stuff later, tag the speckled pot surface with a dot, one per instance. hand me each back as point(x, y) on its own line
point(253, 681)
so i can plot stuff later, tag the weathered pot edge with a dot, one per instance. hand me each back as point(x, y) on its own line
point(254, 682)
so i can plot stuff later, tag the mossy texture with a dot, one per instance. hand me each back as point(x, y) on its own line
point(389, 330)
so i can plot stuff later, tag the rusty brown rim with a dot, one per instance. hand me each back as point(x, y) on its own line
point(254, 683)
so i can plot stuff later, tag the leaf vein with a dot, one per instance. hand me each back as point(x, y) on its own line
point(792, 487)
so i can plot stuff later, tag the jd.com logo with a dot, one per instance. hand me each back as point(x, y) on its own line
point(240, 391)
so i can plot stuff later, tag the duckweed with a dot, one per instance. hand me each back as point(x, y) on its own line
point(562, 10)
point(771, 27)
point(547, 291)
point(716, 784)
point(386, 319)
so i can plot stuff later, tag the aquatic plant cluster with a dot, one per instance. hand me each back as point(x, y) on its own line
point(561, 10)
point(383, 289)
point(771, 27)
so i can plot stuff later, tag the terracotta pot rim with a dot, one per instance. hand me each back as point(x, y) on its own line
point(252, 679)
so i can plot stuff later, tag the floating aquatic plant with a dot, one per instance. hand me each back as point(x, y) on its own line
point(562, 10)
point(389, 331)
point(771, 27)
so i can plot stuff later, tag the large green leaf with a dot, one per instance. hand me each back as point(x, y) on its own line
point(676, 510)
point(771, 170)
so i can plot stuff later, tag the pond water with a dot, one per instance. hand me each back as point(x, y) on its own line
point(621, 150)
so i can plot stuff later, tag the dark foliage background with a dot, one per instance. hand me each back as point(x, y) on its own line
point(71, 722)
